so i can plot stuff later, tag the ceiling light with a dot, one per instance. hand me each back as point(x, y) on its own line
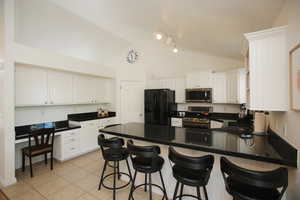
point(175, 50)
point(158, 36)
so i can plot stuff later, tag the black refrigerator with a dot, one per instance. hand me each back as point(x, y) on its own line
point(158, 105)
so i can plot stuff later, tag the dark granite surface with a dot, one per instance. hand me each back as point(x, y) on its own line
point(23, 131)
point(80, 117)
point(219, 141)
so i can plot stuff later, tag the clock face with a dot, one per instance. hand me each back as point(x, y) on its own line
point(132, 56)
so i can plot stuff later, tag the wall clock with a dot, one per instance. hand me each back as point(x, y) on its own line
point(132, 56)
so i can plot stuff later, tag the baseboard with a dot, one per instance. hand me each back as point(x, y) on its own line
point(6, 182)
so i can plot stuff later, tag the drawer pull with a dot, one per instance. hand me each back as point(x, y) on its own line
point(72, 148)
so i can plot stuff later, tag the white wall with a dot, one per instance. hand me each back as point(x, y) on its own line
point(1, 30)
point(291, 15)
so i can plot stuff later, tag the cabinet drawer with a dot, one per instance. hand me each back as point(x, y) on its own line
point(71, 134)
point(71, 149)
point(68, 140)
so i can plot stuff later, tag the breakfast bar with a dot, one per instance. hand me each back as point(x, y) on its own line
point(256, 152)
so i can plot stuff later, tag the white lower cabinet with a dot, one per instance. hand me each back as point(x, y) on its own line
point(67, 145)
point(73, 143)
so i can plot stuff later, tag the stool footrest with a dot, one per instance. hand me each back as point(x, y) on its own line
point(117, 188)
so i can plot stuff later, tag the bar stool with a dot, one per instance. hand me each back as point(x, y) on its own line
point(190, 171)
point(245, 184)
point(113, 151)
point(146, 160)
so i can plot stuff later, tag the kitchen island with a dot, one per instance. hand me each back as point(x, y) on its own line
point(257, 152)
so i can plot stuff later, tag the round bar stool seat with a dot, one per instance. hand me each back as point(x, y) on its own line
point(146, 160)
point(113, 151)
point(190, 171)
point(245, 184)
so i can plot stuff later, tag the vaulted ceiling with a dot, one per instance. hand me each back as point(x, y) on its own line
point(211, 26)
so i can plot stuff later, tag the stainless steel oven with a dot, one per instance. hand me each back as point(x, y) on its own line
point(202, 95)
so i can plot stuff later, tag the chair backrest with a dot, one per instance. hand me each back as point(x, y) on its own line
point(143, 151)
point(115, 144)
point(274, 179)
point(194, 163)
point(42, 137)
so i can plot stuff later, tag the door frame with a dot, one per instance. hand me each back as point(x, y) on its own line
point(122, 85)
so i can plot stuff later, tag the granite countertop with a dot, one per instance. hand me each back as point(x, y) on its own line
point(219, 141)
point(24, 131)
point(81, 117)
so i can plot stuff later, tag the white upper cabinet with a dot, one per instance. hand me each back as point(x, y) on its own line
point(37, 86)
point(100, 90)
point(60, 86)
point(83, 89)
point(219, 87)
point(201, 79)
point(31, 86)
point(268, 69)
point(230, 87)
point(180, 90)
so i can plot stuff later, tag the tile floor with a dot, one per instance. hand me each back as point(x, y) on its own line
point(76, 179)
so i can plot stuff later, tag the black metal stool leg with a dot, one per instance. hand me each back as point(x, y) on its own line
point(118, 168)
point(129, 171)
point(150, 186)
point(176, 190)
point(114, 183)
point(205, 193)
point(198, 193)
point(145, 182)
point(163, 184)
point(181, 191)
point(132, 186)
point(101, 180)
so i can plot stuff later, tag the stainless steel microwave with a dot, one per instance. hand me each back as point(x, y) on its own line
point(201, 95)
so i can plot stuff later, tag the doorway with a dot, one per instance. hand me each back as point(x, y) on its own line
point(132, 101)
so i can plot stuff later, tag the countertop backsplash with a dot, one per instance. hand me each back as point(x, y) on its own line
point(221, 108)
point(33, 115)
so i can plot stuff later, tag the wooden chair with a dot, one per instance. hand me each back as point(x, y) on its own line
point(43, 144)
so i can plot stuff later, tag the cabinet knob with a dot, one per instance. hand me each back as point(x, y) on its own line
point(46, 102)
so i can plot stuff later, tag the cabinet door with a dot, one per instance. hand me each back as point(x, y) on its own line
point(154, 84)
point(83, 89)
point(232, 88)
point(89, 136)
point(31, 86)
point(202, 79)
point(219, 87)
point(60, 87)
point(180, 90)
point(242, 86)
point(167, 84)
point(100, 90)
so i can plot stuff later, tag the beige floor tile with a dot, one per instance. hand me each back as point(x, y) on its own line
point(81, 161)
point(87, 197)
point(41, 179)
point(68, 193)
point(17, 189)
point(94, 167)
point(49, 188)
point(30, 195)
point(88, 183)
point(65, 168)
point(75, 175)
